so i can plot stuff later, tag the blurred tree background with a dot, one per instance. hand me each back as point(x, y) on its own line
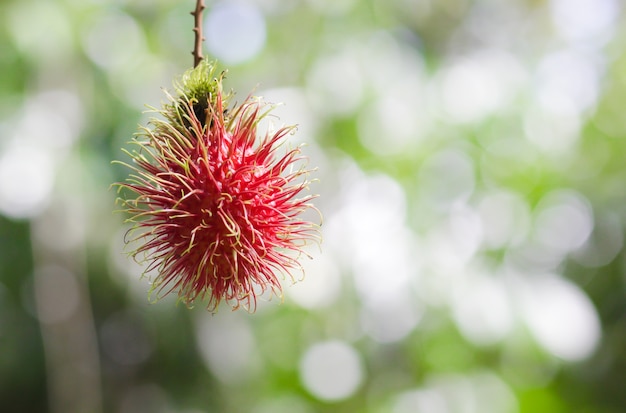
point(472, 181)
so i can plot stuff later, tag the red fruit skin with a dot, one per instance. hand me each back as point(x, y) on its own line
point(216, 210)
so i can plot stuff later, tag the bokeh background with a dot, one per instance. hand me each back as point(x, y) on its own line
point(472, 177)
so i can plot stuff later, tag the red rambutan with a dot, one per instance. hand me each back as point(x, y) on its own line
point(215, 208)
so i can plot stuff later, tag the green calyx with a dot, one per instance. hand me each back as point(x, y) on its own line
point(198, 87)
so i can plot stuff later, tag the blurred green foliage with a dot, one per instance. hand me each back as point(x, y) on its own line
point(471, 173)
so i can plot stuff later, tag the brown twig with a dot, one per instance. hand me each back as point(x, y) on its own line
point(197, 28)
